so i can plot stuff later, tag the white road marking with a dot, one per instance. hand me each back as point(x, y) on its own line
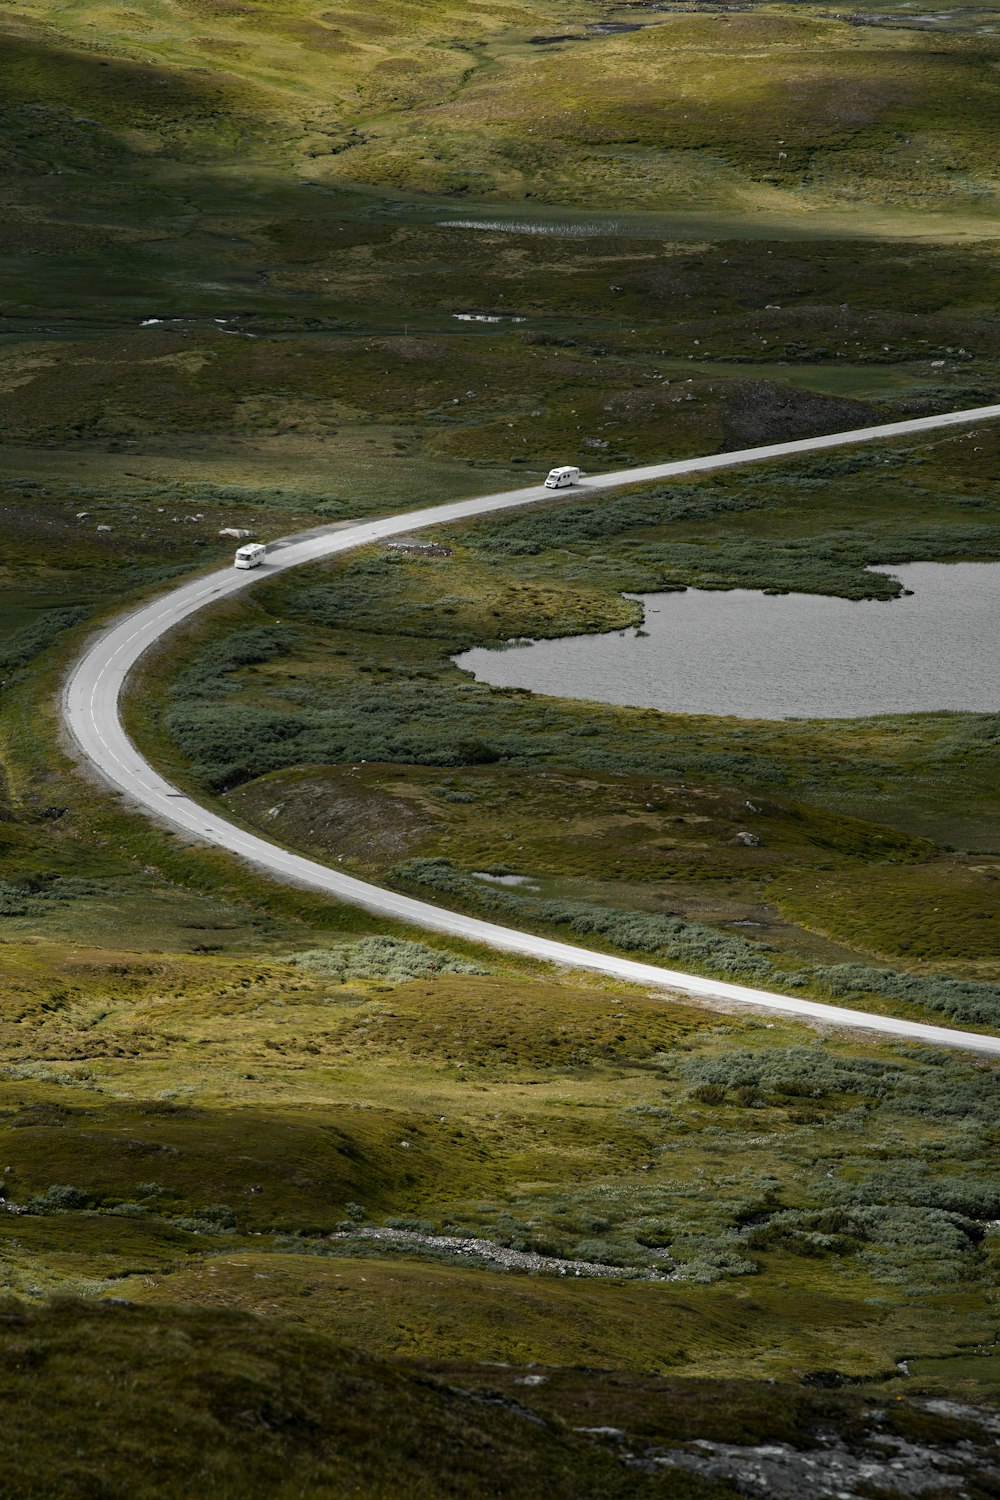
point(98, 731)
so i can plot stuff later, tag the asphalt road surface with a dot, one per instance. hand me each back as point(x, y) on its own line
point(91, 713)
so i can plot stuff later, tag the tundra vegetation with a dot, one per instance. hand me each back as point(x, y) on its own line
point(855, 859)
point(269, 266)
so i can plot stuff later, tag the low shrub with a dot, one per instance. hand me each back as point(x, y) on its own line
point(207, 675)
point(793, 1072)
point(914, 1185)
point(33, 896)
point(968, 1000)
point(20, 647)
point(395, 959)
point(60, 1198)
point(714, 1264)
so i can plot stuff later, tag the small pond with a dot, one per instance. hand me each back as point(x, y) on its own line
point(760, 656)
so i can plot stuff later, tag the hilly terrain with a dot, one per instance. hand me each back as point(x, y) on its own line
point(299, 1202)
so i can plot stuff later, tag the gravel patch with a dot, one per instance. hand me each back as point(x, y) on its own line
point(500, 1255)
point(886, 1465)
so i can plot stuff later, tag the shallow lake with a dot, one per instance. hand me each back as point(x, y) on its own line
point(761, 656)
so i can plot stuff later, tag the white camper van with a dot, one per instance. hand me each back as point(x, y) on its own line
point(250, 556)
point(559, 478)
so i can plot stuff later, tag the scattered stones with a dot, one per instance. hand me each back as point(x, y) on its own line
point(415, 545)
point(776, 1471)
point(499, 1255)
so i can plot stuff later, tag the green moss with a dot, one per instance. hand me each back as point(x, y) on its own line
point(448, 1313)
point(286, 1171)
point(542, 1116)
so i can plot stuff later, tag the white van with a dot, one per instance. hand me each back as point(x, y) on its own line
point(250, 556)
point(559, 478)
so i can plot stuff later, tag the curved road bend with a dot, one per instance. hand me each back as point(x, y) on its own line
point(91, 712)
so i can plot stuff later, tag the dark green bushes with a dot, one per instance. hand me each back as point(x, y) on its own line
point(208, 674)
point(804, 1232)
point(21, 646)
point(966, 1000)
point(792, 1072)
point(60, 1198)
point(908, 1222)
point(914, 1185)
point(617, 517)
point(232, 745)
point(432, 724)
point(607, 519)
point(893, 1242)
point(938, 1088)
point(17, 900)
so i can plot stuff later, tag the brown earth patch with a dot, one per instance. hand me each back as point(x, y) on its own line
point(352, 822)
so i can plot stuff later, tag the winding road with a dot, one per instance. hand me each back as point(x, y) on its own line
point(91, 711)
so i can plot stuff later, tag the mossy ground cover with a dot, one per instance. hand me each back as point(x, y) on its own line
point(673, 113)
point(403, 1310)
point(243, 248)
point(187, 1131)
point(236, 1407)
point(773, 109)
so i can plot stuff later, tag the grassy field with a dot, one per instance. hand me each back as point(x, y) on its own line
point(298, 1201)
point(167, 1117)
point(252, 1408)
point(775, 110)
point(213, 1098)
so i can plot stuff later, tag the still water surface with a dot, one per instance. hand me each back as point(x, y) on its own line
point(760, 656)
